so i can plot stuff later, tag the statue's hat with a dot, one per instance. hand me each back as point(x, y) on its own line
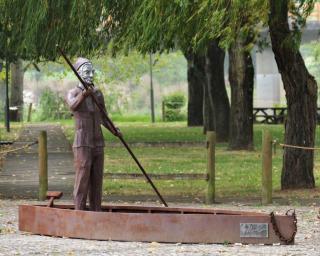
point(80, 62)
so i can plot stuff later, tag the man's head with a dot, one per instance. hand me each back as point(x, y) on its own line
point(85, 69)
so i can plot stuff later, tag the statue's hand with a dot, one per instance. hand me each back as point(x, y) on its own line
point(87, 92)
point(117, 132)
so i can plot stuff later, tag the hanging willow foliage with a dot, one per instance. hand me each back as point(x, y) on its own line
point(158, 25)
point(33, 32)
point(31, 29)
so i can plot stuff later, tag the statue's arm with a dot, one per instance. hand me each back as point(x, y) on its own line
point(74, 99)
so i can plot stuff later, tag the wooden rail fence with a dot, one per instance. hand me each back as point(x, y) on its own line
point(162, 176)
point(266, 184)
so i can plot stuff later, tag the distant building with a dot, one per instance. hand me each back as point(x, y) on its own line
point(269, 90)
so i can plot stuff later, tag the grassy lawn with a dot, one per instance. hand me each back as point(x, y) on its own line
point(13, 134)
point(142, 132)
point(238, 173)
point(8, 136)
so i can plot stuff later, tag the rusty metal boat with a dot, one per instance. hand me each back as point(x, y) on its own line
point(160, 224)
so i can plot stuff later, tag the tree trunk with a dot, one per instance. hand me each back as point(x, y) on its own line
point(301, 94)
point(16, 97)
point(241, 78)
point(207, 112)
point(195, 88)
point(208, 108)
point(217, 94)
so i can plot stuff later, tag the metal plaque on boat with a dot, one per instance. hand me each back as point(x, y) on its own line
point(254, 230)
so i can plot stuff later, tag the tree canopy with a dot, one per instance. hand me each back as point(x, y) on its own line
point(158, 25)
point(33, 32)
point(85, 27)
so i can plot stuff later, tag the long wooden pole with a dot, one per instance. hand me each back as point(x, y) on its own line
point(104, 114)
point(7, 118)
point(151, 91)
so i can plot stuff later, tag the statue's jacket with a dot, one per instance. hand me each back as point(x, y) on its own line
point(88, 118)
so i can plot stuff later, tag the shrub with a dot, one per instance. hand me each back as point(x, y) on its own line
point(52, 106)
point(173, 105)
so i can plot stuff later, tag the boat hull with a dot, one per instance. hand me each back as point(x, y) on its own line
point(159, 224)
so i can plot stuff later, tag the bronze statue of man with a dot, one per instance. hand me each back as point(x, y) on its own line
point(88, 146)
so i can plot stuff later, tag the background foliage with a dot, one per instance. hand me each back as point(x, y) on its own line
point(173, 105)
point(51, 107)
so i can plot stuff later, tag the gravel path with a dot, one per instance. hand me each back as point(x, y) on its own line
point(14, 242)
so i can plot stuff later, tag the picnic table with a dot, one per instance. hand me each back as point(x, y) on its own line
point(276, 115)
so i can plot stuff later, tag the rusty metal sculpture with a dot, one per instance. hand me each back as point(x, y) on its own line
point(104, 115)
point(170, 224)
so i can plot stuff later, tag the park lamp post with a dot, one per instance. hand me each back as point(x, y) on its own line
point(151, 91)
point(7, 114)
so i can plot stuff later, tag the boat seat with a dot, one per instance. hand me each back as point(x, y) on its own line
point(52, 195)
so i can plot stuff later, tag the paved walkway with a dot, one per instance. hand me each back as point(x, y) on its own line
point(19, 175)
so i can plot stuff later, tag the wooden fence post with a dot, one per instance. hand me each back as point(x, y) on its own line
point(43, 165)
point(211, 141)
point(266, 167)
point(29, 112)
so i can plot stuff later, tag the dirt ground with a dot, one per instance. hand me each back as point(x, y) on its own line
point(14, 242)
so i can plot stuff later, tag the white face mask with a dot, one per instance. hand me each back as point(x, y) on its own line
point(86, 72)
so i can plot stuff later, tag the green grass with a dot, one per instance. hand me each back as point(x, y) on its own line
point(142, 132)
point(8, 136)
point(238, 173)
point(182, 159)
point(132, 118)
point(13, 134)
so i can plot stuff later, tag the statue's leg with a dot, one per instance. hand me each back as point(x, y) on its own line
point(82, 163)
point(96, 179)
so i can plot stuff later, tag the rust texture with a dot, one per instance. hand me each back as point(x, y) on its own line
point(142, 223)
